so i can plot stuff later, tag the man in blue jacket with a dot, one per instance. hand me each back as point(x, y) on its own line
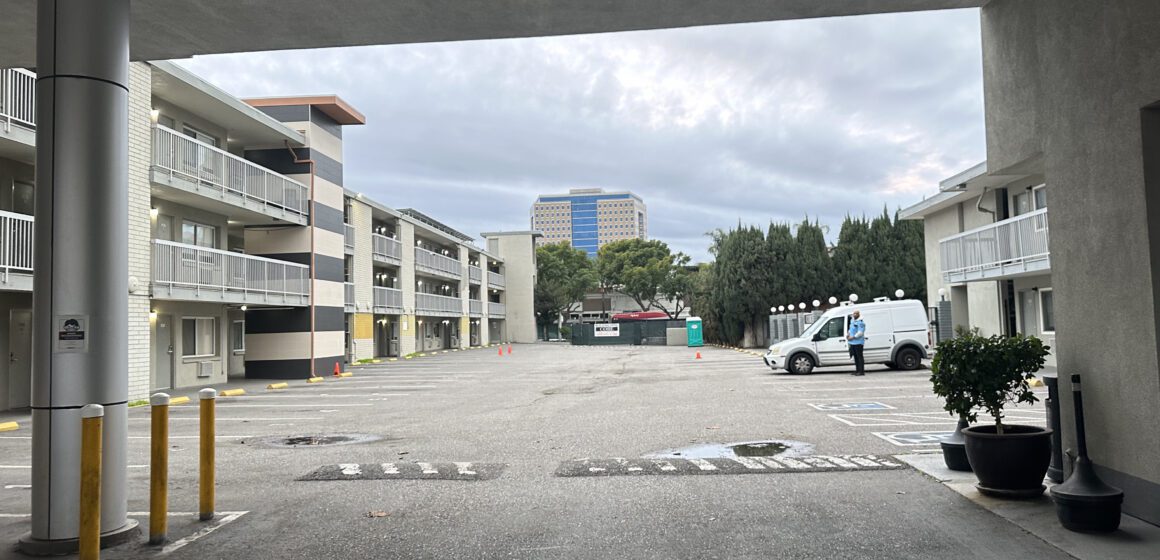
point(857, 341)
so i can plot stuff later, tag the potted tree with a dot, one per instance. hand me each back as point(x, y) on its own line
point(973, 372)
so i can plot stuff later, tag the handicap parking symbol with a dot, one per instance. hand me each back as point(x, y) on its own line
point(851, 406)
point(914, 438)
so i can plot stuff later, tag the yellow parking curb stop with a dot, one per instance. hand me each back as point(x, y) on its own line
point(232, 393)
point(314, 380)
point(9, 426)
point(273, 386)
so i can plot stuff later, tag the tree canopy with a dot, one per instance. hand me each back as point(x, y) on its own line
point(563, 275)
point(636, 268)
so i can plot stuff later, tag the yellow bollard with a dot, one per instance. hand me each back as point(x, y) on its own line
point(89, 534)
point(205, 479)
point(158, 468)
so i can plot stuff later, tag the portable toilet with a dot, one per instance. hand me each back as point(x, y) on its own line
point(694, 330)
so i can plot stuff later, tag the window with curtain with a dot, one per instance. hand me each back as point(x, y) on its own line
point(198, 336)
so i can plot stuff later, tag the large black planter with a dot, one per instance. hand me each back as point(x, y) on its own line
point(1011, 465)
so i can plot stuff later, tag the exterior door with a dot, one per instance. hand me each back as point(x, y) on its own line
point(1029, 313)
point(831, 343)
point(163, 353)
point(20, 358)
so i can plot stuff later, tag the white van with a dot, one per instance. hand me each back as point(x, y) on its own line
point(897, 334)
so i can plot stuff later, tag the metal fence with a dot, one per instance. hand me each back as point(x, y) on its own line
point(215, 169)
point(436, 263)
point(177, 265)
point(474, 274)
point(384, 247)
point(496, 309)
point(15, 243)
point(475, 307)
point(636, 333)
point(18, 97)
point(790, 325)
point(432, 304)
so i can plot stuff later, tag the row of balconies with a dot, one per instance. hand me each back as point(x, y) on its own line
point(17, 98)
point(390, 301)
point(180, 271)
point(390, 251)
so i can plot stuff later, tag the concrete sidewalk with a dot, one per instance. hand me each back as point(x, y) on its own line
point(1135, 540)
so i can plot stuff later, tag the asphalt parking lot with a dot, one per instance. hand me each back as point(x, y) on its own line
point(472, 455)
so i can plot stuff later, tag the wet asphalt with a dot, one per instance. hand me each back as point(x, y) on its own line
point(421, 427)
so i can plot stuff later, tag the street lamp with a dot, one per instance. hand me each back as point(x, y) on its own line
point(942, 293)
point(833, 300)
point(802, 306)
point(899, 293)
point(817, 303)
point(854, 298)
point(781, 308)
point(773, 310)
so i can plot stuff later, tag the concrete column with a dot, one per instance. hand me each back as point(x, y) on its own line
point(80, 301)
point(484, 326)
point(408, 325)
point(465, 296)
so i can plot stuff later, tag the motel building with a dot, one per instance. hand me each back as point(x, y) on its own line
point(248, 256)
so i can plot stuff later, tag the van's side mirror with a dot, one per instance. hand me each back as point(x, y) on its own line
point(819, 337)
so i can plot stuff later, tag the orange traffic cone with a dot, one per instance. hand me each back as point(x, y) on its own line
point(509, 349)
point(337, 371)
point(501, 351)
point(698, 355)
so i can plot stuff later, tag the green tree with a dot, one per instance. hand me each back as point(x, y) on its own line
point(563, 276)
point(677, 287)
point(634, 267)
point(815, 269)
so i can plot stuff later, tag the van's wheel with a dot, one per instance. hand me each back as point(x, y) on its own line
point(801, 364)
point(908, 359)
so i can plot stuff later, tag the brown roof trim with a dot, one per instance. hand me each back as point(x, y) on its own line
point(332, 106)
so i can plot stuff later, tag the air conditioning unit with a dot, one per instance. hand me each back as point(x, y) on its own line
point(205, 369)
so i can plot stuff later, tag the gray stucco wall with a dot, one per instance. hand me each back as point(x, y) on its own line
point(1068, 81)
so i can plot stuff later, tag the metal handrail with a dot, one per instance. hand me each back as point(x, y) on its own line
point(388, 297)
point(474, 273)
point(216, 169)
point(17, 98)
point(437, 262)
point(495, 279)
point(202, 268)
point(386, 247)
point(432, 303)
point(496, 309)
point(15, 243)
point(1012, 241)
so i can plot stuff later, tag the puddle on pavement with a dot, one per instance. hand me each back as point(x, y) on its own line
point(770, 448)
point(320, 440)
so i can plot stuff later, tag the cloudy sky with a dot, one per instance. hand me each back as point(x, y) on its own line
point(711, 125)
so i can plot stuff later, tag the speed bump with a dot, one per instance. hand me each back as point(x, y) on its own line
point(9, 426)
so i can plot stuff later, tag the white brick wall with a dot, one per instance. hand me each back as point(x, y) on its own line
point(140, 150)
point(363, 273)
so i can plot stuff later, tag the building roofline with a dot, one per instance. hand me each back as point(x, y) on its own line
point(532, 232)
point(219, 95)
point(332, 106)
point(963, 177)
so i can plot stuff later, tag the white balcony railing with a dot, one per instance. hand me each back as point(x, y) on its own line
point(388, 298)
point(183, 271)
point(474, 274)
point(348, 296)
point(475, 307)
point(436, 263)
point(348, 237)
point(215, 172)
point(385, 248)
point(17, 98)
point(495, 279)
point(431, 304)
point(496, 309)
point(1010, 247)
point(15, 244)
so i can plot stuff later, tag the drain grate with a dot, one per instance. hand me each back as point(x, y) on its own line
point(320, 440)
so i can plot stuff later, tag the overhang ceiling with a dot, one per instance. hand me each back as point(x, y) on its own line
point(170, 29)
